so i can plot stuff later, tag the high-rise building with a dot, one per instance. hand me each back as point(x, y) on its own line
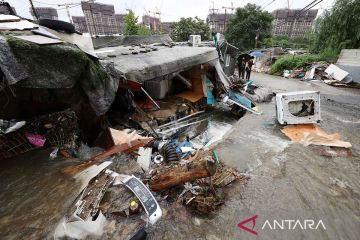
point(292, 22)
point(218, 21)
point(100, 18)
point(80, 24)
point(45, 13)
point(120, 22)
point(165, 27)
point(153, 23)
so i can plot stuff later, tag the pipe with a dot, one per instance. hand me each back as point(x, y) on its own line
point(184, 80)
point(175, 128)
point(142, 89)
point(180, 119)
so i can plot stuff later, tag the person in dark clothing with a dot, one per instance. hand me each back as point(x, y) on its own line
point(241, 68)
point(248, 67)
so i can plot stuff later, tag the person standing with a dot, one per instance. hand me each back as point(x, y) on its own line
point(241, 68)
point(248, 67)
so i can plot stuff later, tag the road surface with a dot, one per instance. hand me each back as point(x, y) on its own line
point(288, 181)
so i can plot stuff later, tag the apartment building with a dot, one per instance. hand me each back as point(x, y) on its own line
point(100, 18)
point(45, 13)
point(292, 22)
point(218, 21)
point(80, 24)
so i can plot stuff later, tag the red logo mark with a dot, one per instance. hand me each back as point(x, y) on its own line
point(253, 220)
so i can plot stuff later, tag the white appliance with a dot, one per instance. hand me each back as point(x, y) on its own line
point(298, 107)
point(195, 40)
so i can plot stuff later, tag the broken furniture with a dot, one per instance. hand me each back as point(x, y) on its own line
point(298, 107)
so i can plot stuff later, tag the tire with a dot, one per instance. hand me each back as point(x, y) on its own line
point(57, 25)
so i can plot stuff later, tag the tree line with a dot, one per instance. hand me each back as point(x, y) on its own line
point(334, 30)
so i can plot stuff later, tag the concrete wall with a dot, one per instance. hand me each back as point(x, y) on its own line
point(113, 41)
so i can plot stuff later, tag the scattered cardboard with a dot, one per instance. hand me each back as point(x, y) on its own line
point(311, 134)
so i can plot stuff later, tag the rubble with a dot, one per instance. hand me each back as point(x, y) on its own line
point(188, 173)
point(128, 132)
point(331, 74)
point(58, 129)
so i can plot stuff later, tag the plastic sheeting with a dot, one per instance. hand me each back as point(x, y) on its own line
point(9, 66)
point(58, 66)
point(81, 229)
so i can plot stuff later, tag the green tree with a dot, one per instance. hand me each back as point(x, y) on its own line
point(338, 28)
point(248, 22)
point(287, 42)
point(131, 26)
point(143, 30)
point(181, 30)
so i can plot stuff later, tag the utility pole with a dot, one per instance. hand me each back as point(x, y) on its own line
point(33, 9)
point(213, 14)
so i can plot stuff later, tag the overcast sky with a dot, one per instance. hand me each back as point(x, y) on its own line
point(171, 10)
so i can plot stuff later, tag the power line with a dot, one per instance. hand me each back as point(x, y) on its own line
point(268, 4)
point(304, 10)
point(308, 7)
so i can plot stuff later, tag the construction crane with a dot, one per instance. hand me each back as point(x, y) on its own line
point(232, 11)
point(67, 6)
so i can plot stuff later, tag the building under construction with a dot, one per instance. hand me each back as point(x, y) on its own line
point(292, 22)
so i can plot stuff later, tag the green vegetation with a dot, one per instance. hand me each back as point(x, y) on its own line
point(188, 26)
point(290, 62)
point(287, 42)
point(143, 30)
point(247, 23)
point(132, 27)
point(338, 28)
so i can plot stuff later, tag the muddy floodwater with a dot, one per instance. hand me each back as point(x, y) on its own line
point(288, 181)
point(34, 195)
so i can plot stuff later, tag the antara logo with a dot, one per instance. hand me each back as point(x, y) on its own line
point(282, 224)
point(253, 220)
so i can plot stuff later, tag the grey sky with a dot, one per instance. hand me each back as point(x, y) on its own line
point(171, 10)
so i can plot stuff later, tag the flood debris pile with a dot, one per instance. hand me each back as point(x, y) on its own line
point(345, 73)
point(136, 122)
point(167, 170)
point(197, 181)
point(58, 130)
